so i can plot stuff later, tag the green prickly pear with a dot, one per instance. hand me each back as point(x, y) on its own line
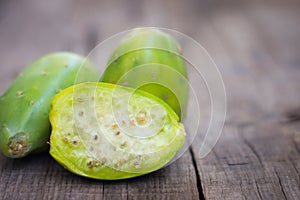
point(24, 107)
point(107, 131)
point(150, 59)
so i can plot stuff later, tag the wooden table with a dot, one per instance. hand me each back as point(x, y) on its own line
point(257, 48)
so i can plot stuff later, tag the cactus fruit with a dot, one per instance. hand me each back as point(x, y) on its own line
point(107, 131)
point(163, 72)
point(24, 107)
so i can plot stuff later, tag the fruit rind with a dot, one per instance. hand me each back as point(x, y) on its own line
point(24, 120)
point(151, 46)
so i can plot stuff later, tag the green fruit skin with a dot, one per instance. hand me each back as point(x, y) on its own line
point(144, 46)
point(25, 106)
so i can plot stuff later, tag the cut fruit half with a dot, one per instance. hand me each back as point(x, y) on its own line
point(105, 131)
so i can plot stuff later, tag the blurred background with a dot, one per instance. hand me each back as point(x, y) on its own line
point(255, 44)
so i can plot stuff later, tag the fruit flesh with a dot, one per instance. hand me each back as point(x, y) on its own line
point(24, 116)
point(105, 131)
point(150, 47)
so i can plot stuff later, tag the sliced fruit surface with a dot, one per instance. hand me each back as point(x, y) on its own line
point(106, 131)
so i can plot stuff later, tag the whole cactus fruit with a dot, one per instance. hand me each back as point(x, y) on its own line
point(150, 59)
point(107, 131)
point(24, 107)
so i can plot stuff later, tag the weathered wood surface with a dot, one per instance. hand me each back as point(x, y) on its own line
point(257, 156)
point(257, 48)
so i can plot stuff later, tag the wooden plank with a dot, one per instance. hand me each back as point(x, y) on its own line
point(40, 177)
point(177, 180)
point(257, 156)
point(246, 167)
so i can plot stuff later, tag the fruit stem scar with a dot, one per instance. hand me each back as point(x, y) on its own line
point(19, 145)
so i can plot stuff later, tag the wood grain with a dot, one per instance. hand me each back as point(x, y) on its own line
point(257, 156)
point(257, 48)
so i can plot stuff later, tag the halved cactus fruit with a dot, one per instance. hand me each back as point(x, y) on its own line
point(106, 131)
